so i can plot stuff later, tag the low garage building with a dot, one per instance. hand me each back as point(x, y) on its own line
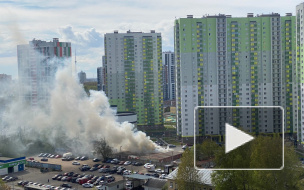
point(11, 165)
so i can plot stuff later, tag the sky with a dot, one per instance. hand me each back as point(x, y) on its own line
point(84, 23)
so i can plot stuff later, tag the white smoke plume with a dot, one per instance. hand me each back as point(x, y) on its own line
point(72, 119)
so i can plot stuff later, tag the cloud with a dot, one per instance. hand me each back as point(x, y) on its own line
point(88, 38)
point(84, 22)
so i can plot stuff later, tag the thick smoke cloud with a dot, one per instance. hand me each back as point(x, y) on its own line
point(70, 120)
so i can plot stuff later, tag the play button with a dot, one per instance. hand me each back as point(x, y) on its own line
point(235, 138)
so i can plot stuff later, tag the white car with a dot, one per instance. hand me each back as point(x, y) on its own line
point(148, 165)
point(75, 163)
point(163, 176)
point(127, 172)
point(87, 185)
point(159, 171)
point(99, 187)
point(127, 163)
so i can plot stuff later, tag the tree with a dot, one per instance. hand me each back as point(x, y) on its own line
point(259, 154)
point(206, 150)
point(102, 148)
point(287, 178)
point(3, 186)
point(187, 176)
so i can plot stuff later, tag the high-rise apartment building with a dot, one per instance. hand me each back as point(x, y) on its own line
point(82, 76)
point(243, 61)
point(168, 75)
point(133, 63)
point(100, 78)
point(37, 64)
point(300, 68)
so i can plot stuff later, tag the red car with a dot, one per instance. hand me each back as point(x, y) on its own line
point(58, 156)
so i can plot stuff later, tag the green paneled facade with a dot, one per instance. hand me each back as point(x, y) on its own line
point(244, 61)
point(133, 63)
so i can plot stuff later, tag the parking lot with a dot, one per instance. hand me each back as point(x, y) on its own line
point(34, 174)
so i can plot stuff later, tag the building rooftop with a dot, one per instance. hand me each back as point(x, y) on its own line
point(5, 158)
point(138, 176)
point(205, 176)
point(115, 183)
point(161, 155)
point(155, 183)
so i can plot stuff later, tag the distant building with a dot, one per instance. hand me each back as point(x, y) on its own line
point(38, 62)
point(100, 78)
point(134, 75)
point(82, 77)
point(11, 165)
point(5, 78)
point(168, 75)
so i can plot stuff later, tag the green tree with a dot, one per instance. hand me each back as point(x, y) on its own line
point(187, 176)
point(206, 150)
point(261, 155)
point(287, 178)
point(102, 148)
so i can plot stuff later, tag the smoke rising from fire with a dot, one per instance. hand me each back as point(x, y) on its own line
point(69, 120)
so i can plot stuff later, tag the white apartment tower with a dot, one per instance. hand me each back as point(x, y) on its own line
point(37, 64)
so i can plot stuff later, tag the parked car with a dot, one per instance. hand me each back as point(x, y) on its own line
point(20, 183)
point(171, 145)
point(58, 156)
point(127, 172)
point(75, 163)
point(6, 177)
point(184, 147)
point(44, 159)
point(113, 171)
point(127, 163)
point(138, 164)
point(56, 176)
point(108, 161)
point(148, 165)
point(159, 171)
point(66, 185)
point(83, 158)
point(87, 185)
point(11, 179)
point(115, 161)
point(77, 158)
point(93, 169)
point(96, 160)
point(121, 162)
point(99, 187)
point(163, 176)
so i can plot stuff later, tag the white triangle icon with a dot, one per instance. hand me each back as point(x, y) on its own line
point(235, 138)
